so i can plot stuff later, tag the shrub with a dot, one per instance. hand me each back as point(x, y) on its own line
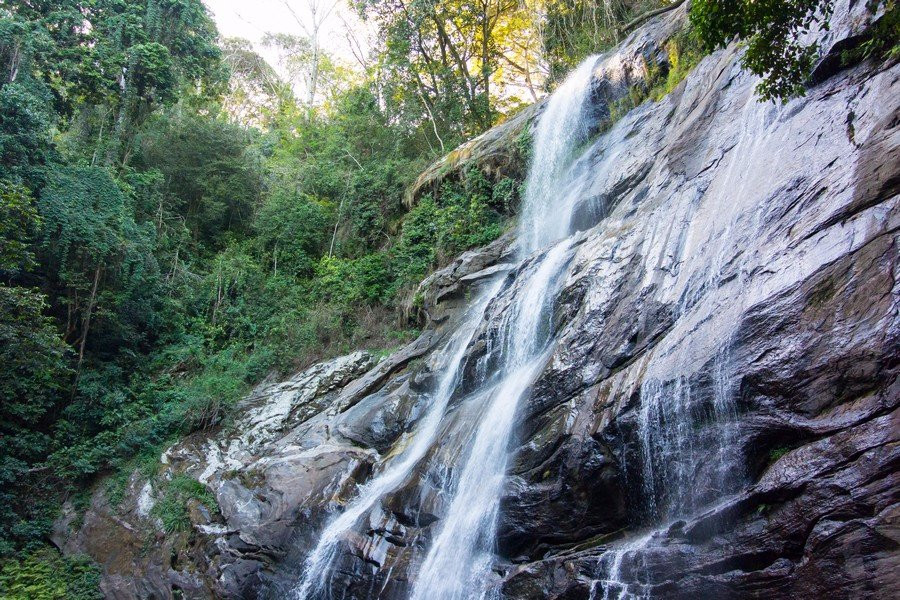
point(171, 509)
point(45, 575)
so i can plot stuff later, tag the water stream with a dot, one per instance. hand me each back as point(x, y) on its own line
point(317, 569)
point(457, 565)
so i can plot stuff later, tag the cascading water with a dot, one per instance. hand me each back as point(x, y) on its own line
point(318, 564)
point(458, 562)
point(550, 188)
point(685, 426)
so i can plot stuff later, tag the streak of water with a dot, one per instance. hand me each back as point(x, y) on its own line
point(563, 128)
point(317, 567)
point(614, 585)
point(458, 564)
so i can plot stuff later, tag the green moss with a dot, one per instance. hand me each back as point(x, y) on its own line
point(597, 540)
point(145, 465)
point(777, 453)
point(525, 143)
point(684, 53)
point(823, 293)
point(251, 478)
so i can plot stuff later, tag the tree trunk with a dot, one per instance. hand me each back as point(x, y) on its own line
point(112, 154)
point(486, 28)
point(87, 326)
point(14, 61)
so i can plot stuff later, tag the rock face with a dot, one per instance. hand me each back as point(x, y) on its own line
point(719, 415)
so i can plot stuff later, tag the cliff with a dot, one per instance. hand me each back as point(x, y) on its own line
point(718, 414)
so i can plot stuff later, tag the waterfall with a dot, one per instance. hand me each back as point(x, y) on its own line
point(458, 563)
point(318, 564)
point(550, 195)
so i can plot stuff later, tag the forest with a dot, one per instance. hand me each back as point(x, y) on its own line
point(180, 219)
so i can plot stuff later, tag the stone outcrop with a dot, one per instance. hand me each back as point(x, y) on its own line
point(737, 276)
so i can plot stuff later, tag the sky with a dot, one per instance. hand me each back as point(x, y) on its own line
point(252, 19)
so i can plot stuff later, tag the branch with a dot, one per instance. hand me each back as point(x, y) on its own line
point(649, 15)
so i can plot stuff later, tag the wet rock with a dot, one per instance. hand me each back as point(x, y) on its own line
point(443, 293)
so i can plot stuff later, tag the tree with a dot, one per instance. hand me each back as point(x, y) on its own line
point(773, 30)
point(129, 55)
point(92, 243)
point(149, 49)
point(212, 176)
point(308, 68)
point(574, 29)
point(33, 372)
point(48, 43)
point(25, 144)
point(314, 59)
point(33, 367)
point(292, 232)
point(255, 92)
point(18, 221)
point(445, 56)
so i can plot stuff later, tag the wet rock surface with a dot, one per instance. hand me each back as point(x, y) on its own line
point(737, 276)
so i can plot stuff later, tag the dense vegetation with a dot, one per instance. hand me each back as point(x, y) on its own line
point(159, 255)
point(775, 33)
point(177, 220)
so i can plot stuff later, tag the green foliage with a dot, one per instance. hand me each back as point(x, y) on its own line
point(685, 52)
point(213, 176)
point(151, 69)
point(33, 371)
point(772, 30)
point(351, 281)
point(129, 55)
point(456, 98)
point(45, 575)
point(882, 40)
point(88, 221)
point(18, 220)
point(291, 231)
point(25, 122)
point(435, 230)
point(100, 258)
point(525, 144)
point(172, 508)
